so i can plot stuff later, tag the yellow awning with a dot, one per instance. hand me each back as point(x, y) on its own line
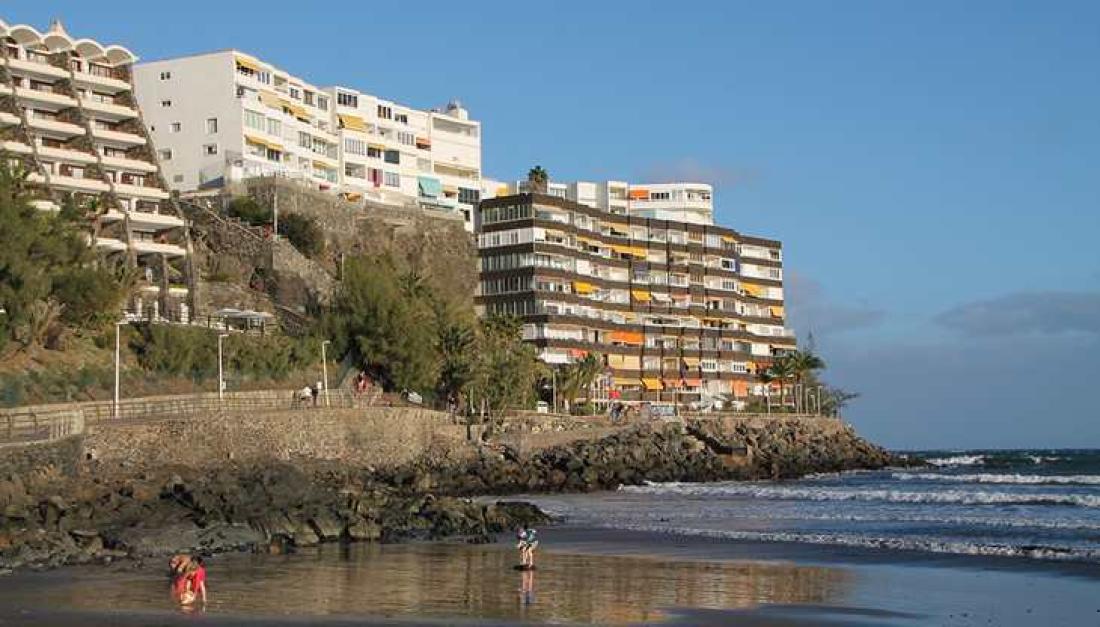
point(777, 312)
point(260, 141)
point(353, 123)
point(502, 190)
point(322, 165)
point(246, 62)
point(652, 384)
point(580, 287)
point(296, 110)
point(450, 189)
point(271, 100)
point(753, 290)
point(692, 362)
point(625, 381)
point(641, 295)
point(729, 238)
point(376, 146)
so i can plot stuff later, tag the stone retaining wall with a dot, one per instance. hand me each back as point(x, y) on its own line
point(377, 436)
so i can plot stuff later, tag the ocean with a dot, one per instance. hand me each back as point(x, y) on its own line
point(1031, 504)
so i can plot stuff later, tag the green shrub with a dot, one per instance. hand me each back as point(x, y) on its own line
point(91, 296)
point(303, 232)
point(246, 209)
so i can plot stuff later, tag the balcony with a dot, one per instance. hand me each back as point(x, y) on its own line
point(48, 96)
point(8, 119)
point(102, 77)
point(112, 215)
point(140, 191)
point(65, 154)
point(122, 138)
point(107, 109)
point(150, 220)
point(51, 125)
point(24, 67)
point(15, 147)
point(78, 183)
point(126, 163)
point(110, 244)
point(45, 205)
point(150, 247)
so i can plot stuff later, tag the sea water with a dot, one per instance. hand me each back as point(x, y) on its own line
point(1036, 504)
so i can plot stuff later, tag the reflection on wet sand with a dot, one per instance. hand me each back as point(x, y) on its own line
point(467, 581)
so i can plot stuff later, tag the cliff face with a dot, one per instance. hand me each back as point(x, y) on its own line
point(284, 485)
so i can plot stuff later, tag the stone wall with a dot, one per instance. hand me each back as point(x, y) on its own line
point(60, 457)
point(378, 436)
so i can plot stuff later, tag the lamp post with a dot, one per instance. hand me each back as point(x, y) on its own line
point(324, 370)
point(554, 389)
point(221, 372)
point(118, 352)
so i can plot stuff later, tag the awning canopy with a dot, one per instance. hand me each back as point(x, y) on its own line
point(296, 110)
point(641, 295)
point(628, 337)
point(429, 187)
point(652, 384)
point(271, 100)
point(661, 298)
point(245, 62)
point(638, 194)
point(692, 362)
point(260, 141)
point(580, 287)
point(693, 383)
point(777, 312)
point(625, 381)
point(352, 123)
point(753, 290)
point(423, 142)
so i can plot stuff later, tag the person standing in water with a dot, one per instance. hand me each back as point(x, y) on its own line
point(526, 545)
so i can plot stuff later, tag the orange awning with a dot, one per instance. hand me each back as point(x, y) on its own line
point(671, 384)
point(577, 353)
point(639, 194)
point(693, 383)
point(627, 337)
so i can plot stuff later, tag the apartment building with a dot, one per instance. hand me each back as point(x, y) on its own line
point(68, 117)
point(225, 116)
point(679, 310)
point(678, 202)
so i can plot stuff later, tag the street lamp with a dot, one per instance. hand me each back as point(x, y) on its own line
point(324, 370)
point(221, 371)
point(118, 351)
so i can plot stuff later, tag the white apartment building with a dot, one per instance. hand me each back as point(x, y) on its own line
point(692, 203)
point(226, 116)
point(69, 119)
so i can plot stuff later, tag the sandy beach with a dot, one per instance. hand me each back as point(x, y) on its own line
point(585, 576)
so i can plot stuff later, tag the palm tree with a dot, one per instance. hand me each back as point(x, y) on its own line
point(805, 364)
point(578, 376)
point(538, 178)
point(781, 370)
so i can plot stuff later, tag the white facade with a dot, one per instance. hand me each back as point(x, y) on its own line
point(226, 116)
point(677, 202)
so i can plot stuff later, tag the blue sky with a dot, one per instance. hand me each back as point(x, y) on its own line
point(933, 168)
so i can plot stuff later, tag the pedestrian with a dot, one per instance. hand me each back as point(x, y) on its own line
point(315, 391)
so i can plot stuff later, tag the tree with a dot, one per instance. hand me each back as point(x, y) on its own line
point(456, 344)
point(248, 210)
point(303, 233)
point(835, 400)
point(781, 371)
point(506, 368)
point(578, 377)
point(538, 179)
point(804, 364)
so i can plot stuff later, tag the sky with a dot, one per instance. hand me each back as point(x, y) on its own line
point(932, 168)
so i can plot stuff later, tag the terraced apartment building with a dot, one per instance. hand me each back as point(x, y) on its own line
point(68, 117)
point(679, 310)
point(225, 116)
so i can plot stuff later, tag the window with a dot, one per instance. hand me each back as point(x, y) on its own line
point(165, 76)
point(295, 93)
point(254, 120)
point(393, 179)
point(211, 126)
point(402, 118)
point(176, 127)
point(177, 178)
point(274, 127)
point(406, 138)
point(468, 196)
point(384, 112)
point(307, 97)
point(374, 152)
point(345, 99)
point(210, 149)
point(274, 155)
point(392, 156)
point(164, 155)
point(166, 103)
point(322, 103)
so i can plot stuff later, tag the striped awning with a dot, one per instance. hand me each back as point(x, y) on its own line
point(429, 187)
point(352, 123)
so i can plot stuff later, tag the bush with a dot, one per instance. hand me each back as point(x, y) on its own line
point(193, 352)
point(90, 296)
point(303, 233)
point(246, 209)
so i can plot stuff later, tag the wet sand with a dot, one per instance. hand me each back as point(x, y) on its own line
point(584, 576)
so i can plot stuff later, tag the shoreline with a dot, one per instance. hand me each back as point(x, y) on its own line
point(796, 585)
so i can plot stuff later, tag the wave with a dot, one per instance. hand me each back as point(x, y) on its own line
point(1045, 552)
point(957, 460)
point(998, 478)
point(893, 496)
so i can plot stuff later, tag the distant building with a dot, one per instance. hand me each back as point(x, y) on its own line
point(680, 309)
point(225, 116)
point(69, 118)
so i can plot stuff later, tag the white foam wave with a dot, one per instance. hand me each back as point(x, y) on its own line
point(1000, 478)
point(957, 460)
point(893, 496)
point(955, 547)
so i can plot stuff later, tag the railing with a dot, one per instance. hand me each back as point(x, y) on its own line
point(46, 422)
